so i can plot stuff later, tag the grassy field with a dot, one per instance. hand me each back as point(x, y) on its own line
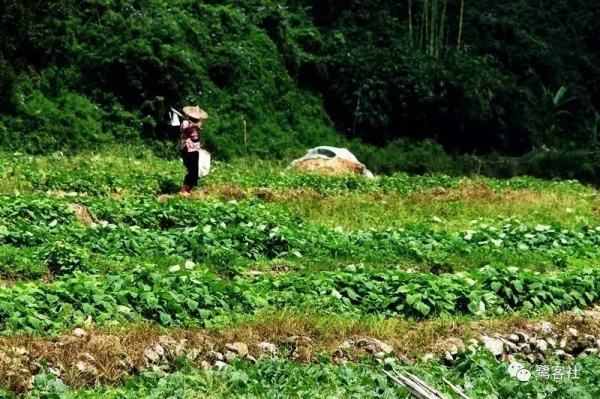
point(302, 285)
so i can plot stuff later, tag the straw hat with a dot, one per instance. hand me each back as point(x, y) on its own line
point(195, 112)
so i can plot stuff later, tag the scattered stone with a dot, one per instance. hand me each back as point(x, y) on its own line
point(494, 345)
point(79, 333)
point(522, 336)
point(530, 358)
point(546, 327)
point(563, 343)
point(219, 365)
point(509, 346)
point(239, 348)
point(251, 359)
point(373, 345)
point(84, 367)
point(541, 345)
point(347, 345)
point(179, 349)
point(563, 355)
point(573, 332)
point(152, 355)
point(160, 351)
point(589, 338)
point(452, 345)
point(591, 351)
point(551, 342)
point(448, 357)
point(525, 348)
point(216, 356)
point(514, 338)
point(268, 348)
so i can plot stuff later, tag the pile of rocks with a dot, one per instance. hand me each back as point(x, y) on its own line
point(534, 346)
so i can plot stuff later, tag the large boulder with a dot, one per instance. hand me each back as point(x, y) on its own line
point(330, 160)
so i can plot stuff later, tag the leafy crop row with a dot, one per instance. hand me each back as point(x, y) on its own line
point(188, 296)
point(137, 227)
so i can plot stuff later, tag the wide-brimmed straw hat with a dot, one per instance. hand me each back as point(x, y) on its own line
point(195, 112)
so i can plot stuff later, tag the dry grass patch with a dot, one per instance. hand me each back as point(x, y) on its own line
point(85, 358)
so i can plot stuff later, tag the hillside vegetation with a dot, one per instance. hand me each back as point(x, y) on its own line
point(474, 77)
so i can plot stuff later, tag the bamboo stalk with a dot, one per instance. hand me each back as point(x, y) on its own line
point(460, 22)
point(410, 26)
point(441, 29)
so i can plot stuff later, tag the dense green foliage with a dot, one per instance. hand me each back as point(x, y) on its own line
point(485, 76)
point(209, 262)
point(132, 262)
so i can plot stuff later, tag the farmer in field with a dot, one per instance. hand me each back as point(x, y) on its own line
point(190, 145)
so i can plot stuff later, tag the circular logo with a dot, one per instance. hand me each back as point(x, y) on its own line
point(523, 375)
point(513, 368)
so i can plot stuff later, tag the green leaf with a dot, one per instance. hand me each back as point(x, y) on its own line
point(193, 305)
point(423, 308)
point(165, 318)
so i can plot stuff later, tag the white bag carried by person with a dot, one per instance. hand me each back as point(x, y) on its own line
point(203, 163)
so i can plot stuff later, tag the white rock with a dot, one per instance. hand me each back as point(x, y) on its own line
point(563, 355)
point(591, 351)
point(523, 337)
point(494, 345)
point(546, 327)
point(573, 332)
point(151, 355)
point(160, 351)
point(589, 338)
point(374, 345)
point(541, 345)
point(216, 355)
point(239, 348)
point(525, 348)
point(219, 365)
point(189, 264)
point(509, 346)
point(448, 356)
point(79, 333)
point(563, 343)
point(514, 338)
